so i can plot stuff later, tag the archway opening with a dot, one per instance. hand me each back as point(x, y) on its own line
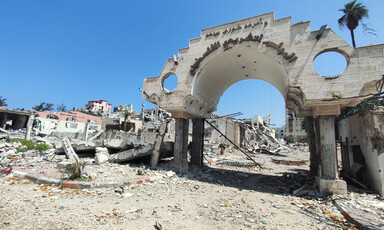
point(235, 65)
point(253, 82)
point(253, 97)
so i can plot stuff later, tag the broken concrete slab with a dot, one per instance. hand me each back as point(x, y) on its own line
point(159, 140)
point(69, 151)
point(4, 131)
point(130, 154)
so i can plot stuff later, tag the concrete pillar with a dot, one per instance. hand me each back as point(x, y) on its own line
point(29, 126)
point(142, 112)
point(328, 181)
point(156, 113)
point(197, 142)
point(328, 147)
point(313, 134)
point(180, 151)
point(85, 137)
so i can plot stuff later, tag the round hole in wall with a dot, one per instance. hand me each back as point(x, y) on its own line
point(330, 63)
point(170, 83)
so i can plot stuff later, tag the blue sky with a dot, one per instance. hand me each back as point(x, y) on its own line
point(71, 52)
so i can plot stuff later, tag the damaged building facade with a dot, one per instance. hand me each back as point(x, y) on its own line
point(293, 128)
point(245, 133)
point(72, 124)
point(281, 54)
point(98, 106)
point(362, 148)
point(13, 119)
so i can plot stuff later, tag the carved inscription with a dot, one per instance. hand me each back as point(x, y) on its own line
point(215, 34)
point(281, 51)
point(210, 49)
point(226, 44)
point(249, 38)
point(238, 27)
point(231, 30)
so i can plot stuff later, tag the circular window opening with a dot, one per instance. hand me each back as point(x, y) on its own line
point(170, 83)
point(330, 64)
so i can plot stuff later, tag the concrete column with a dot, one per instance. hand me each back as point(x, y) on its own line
point(180, 151)
point(313, 134)
point(197, 142)
point(328, 181)
point(142, 112)
point(156, 113)
point(85, 137)
point(328, 147)
point(29, 126)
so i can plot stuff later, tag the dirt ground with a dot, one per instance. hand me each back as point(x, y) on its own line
point(228, 193)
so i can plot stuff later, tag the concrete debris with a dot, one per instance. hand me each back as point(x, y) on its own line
point(141, 151)
point(71, 154)
point(101, 155)
point(219, 196)
point(286, 162)
point(158, 142)
point(277, 186)
point(4, 131)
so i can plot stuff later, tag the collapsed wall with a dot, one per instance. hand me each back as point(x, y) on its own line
point(362, 137)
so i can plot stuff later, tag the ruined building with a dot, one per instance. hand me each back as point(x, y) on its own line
point(293, 128)
point(278, 52)
point(98, 106)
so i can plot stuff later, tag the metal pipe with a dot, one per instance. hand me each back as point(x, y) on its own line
point(258, 164)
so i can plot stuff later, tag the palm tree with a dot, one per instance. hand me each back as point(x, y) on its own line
point(44, 106)
point(353, 14)
point(3, 101)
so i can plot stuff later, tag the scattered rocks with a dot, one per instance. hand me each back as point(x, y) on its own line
point(218, 196)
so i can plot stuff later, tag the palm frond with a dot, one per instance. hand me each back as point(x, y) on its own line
point(342, 22)
point(368, 30)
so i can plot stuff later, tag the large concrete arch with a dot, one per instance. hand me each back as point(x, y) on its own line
point(280, 53)
point(235, 65)
point(291, 47)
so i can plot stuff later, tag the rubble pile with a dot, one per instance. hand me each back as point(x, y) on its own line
point(229, 192)
point(138, 197)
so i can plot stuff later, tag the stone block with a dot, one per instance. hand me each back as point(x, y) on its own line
point(326, 110)
point(19, 174)
point(84, 185)
point(337, 186)
point(31, 177)
point(101, 155)
point(70, 184)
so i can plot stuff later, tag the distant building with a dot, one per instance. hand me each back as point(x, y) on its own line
point(121, 120)
point(244, 132)
point(101, 106)
point(122, 108)
point(279, 132)
point(71, 124)
point(293, 128)
point(13, 119)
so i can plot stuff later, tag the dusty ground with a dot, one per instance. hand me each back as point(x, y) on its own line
point(228, 194)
